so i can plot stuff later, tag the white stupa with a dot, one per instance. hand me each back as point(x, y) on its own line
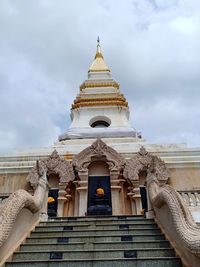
point(100, 109)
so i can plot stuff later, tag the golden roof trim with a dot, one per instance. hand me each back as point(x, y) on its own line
point(98, 70)
point(79, 100)
point(101, 103)
point(99, 84)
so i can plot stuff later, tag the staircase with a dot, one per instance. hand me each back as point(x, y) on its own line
point(96, 241)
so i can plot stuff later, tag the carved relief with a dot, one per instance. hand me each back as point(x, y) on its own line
point(142, 162)
point(17, 201)
point(177, 214)
point(98, 149)
point(53, 164)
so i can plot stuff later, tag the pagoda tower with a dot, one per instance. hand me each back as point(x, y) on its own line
point(100, 109)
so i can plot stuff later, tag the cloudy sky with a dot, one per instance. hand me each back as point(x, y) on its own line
point(46, 47)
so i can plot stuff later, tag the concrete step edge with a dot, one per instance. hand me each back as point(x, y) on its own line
point(91, 236)
point(95, 230)
point(100, 259)
point(97, 243)
point(92, 250)
point(97, 225)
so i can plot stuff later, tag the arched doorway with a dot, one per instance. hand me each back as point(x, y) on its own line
point(91, 161)
point(53, 180)
point(135, 171)
point(99, 190)
point(60, 174)
point(142, 185)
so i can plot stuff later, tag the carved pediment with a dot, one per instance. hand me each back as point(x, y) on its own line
point(98, 150)
point(53, 164)
point(143, 161)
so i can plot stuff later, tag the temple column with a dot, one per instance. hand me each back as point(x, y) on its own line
point(61, 199)
point(130, 195)
point(135, 196)
point(116, 205)
point(116, 188)
point(82, 187)
point(68, 198)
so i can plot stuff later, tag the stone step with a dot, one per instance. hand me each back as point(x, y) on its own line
point(120, 262)
point(93, 254)
point(94, 238)
point(100, 245)
point(100, 218)
point(89, 232)
point(109, 241)
point(94, 227)
point(97, 221)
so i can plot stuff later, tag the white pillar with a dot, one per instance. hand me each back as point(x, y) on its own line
point(82, 190)
point(116, 201)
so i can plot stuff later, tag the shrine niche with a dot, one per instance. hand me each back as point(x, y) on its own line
point(53, 164)
point(135, 172)
point(141, 162)
point(61, 173)
point(98, 151)
point(98, 165)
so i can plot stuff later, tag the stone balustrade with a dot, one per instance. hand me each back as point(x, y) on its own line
point(191, 198)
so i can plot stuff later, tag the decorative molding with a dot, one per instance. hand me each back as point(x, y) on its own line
point(101, 102)
point(88, 99)
point(53, 164)
point(142, 162)
point(191, 198)
point(98, 149)
point(99, 84)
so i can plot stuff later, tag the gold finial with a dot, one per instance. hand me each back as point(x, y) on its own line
point(98, 53)
point(98, 63)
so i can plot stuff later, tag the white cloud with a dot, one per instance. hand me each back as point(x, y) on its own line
point(152, 46)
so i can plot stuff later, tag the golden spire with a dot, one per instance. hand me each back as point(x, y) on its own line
point(98, 52)
point(98, 64)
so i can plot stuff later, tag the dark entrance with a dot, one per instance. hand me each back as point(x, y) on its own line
point(99, 196)
point(52, 203)
point(143, 194)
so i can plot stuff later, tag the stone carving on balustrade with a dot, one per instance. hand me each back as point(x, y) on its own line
point(53, 164)
point(175, 218)
point(99, 150)
point(142, 162)
point(22, 199)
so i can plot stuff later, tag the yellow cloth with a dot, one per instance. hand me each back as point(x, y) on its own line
point(51, 199)
point(100, 191)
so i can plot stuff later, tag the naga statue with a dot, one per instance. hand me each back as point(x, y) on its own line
point(20, 199)
point(174, 218)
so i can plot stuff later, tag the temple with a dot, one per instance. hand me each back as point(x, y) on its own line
point(101, 194)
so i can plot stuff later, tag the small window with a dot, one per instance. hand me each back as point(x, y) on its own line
point(100, 124)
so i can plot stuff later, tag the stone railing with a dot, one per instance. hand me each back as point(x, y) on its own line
point(17, 208)
point(175, 220)
point(191, 198)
